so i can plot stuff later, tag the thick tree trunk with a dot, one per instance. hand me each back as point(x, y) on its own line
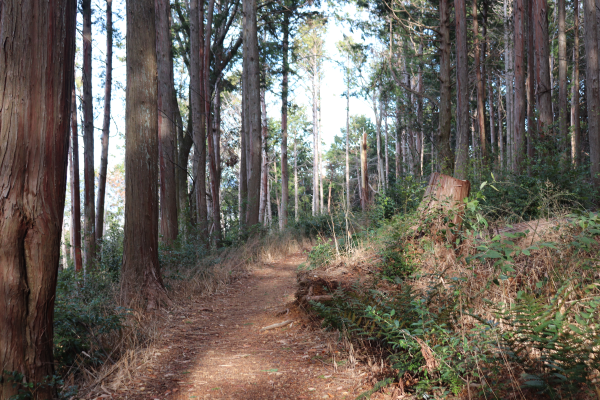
point(105, 126)
point(284, 121)
point(562, 77)
point(575, 123)
point(542, 66)
point(89, 235)
point(462, 92)
point(480, 83)
point(442, 139)
point(36, 69)
point(592, 88)
point(75, 197)
point(520, 106)
point(531, 124)
point(141, 282)
point(252, 99)
point(166, 127)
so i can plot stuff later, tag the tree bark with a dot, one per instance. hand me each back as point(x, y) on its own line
point(386, 147)
point(296, 197)
point(575, 123)
point(166, 126)
point(197, 106)
point(105, 126)
point(462, 92)
point(141, 282)
point(531, 124)
point(284, 119)
point(592, 88)
point(265, 164)
point(364, 172)
point(480, 83)
point(520, 106)
point(492, 118)
point(36, 84)
point(348, 131)
point(508, 76)
point(252, 99)
point(562, 77)
point(542, 66)
point(442, 139)
point(315, 128)
point(89, 235)
point(420, 111)
point(75, 197)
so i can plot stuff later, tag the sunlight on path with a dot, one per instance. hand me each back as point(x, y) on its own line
point(214, 349)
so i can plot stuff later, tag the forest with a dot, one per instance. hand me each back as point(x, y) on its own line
point(299, 199)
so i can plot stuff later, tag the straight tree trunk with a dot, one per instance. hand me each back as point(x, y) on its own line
point(575, 123)
point(197, 106)
point(243, 173)
point(89, 235)
point(284, 120)
point(520, 106)
point(216, 133)
point(75, 197)
point(296, 197)
point(141, 282)
point(252, 98)
point(315, 128)
point(480, 83)
point(348, 133)
point(364, 171)
point(378, 133)
point(265, 164)
point(420, 110)
point(531, 124)
point(592, 88)
point(36, 84)
point(166, 127)
point(442, 139)
point(105, 126)
point(542, 66)
point(493, 146)
point(508, 62)
point(185, 141)
point(500, 133)
point(462, 92)
point(398, 141)
point(562, 77)
point(387, 163)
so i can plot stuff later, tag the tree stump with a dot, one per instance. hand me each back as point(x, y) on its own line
point(446, 193)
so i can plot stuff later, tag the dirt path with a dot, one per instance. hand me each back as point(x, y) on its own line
point(215, 349)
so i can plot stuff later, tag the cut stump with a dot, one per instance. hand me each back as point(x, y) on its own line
point(446, 193)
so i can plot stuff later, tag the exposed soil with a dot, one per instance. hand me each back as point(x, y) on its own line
point(214, 347)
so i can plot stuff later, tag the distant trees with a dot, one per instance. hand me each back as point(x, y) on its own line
point(37, 73)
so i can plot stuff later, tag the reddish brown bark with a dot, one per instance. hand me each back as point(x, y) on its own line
point(542, 67)
point(166, 127)
point(442, 140)
point(479, 84)
point(531, 124)
point(75, 198)
point(89, 213)
point(592, 87)
point(520, 106)
point(462, 92)
point(36, 83)
point(562, 77)
point(575, 123)
point(284, 119)
point(105, 126)
point(141, 282)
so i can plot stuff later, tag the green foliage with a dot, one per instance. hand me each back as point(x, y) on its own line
point(321, 254)
point(398, 263)
point(556, 340)
point(27, 388)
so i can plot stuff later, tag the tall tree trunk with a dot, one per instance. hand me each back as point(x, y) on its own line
point(212, 145)
point(265, 164)
point(185, 141)
point(575, 123)
point(36, 69)
point(105, 126)
point(296, 197)
point(562, 78)
point(398, 140)
point(216, 132)
point(315, 128)
point(89, 235)
point(508, 62)
point(479, 84)
point(500, 132)
point(348, 132)
point(166, 127)
point(542, 66)
point(141, 282)
point(387, 161)
point(592, 88)
point(252, 99)
point(520, 106)
point(75, 197)
point(462, 92)
point(493, 147)
point(531, 124)
point(197, 106)
point(442, 139)
point(378, 113)
point(420, 110)
point(364, 173)
point(243, 173)
point(284, 120)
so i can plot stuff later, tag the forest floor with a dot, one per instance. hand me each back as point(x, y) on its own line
point(214, 348)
